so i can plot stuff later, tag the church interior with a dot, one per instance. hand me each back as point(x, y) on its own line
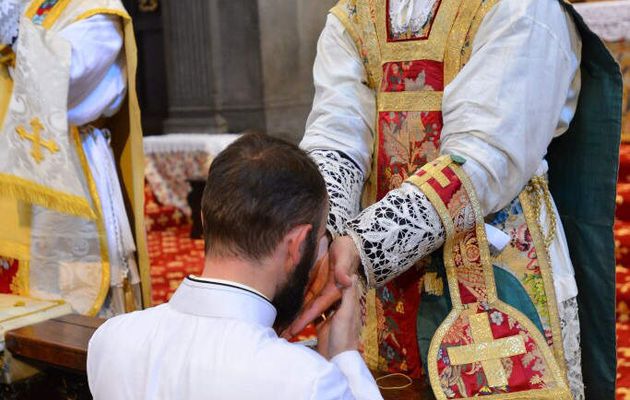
point(204, 78)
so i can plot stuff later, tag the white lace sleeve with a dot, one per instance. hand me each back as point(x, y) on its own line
point(395, 233)
point(344, 182)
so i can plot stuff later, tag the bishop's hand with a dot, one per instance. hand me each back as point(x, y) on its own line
point(330, 277)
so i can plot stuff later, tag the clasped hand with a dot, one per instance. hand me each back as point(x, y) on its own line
point(331, 276)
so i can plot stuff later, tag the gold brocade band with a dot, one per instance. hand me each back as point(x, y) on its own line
point(410, 101)
point(457, 38)
point(544, 263)
point(369, 334)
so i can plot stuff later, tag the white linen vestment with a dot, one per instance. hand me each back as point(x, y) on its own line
point(214, 340)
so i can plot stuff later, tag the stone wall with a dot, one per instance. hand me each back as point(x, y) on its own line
point(241, 64)
point(289, 32)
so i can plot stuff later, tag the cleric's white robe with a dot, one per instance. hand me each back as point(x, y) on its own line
point(214, 340)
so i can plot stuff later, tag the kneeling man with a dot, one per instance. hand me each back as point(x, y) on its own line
point(264, 210)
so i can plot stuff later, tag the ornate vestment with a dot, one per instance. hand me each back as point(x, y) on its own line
point(49, 203)
point(488, 323)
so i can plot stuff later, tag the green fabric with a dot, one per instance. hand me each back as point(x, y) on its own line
point(433, 310)
point(511, 291)
point(583, 165)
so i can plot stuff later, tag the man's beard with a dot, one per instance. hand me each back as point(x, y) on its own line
point(290, 298)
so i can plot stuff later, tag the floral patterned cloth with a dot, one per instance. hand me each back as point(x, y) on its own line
point(170, 160)
point(168, 174)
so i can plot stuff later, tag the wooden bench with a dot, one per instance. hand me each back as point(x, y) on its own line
point(59, 342)
point(62, 343)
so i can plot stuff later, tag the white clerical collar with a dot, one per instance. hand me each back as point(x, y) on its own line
point(223, 299)
point(226, 282)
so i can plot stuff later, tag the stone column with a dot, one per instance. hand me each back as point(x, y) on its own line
point(191, 76)
point(289, 31)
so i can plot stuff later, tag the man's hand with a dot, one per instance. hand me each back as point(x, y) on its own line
point(343, 263)
point(341, 332)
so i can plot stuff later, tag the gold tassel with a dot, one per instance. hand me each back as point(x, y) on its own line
point(130, 301)
point(433, 284)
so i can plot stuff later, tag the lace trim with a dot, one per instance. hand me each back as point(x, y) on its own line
point(10, 12)
point(395, 233)
point(344, 182)
point(570, 325)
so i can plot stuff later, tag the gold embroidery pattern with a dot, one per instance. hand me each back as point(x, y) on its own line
point(38, 142)
point(410, 101)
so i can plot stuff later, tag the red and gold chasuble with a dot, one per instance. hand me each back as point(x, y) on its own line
point(484, 347)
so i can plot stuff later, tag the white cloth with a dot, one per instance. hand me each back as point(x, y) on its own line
point(212, 144)
point(98, 79)
point(215, 341)
point(120, 240)
point(518, 91)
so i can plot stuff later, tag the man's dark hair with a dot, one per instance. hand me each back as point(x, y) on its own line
point(258, 189)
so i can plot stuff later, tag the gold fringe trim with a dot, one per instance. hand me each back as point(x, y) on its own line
point(34, 193)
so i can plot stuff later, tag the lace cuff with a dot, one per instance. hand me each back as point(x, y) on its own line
point(395, 233)
point(344, 182)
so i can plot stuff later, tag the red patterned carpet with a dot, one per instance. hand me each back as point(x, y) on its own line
point(174, 255)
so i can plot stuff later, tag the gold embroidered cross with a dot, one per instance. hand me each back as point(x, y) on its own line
point(433, 170)
point(487, 350)
point(36, 138)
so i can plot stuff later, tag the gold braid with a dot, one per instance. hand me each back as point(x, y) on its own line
point(539, 190)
